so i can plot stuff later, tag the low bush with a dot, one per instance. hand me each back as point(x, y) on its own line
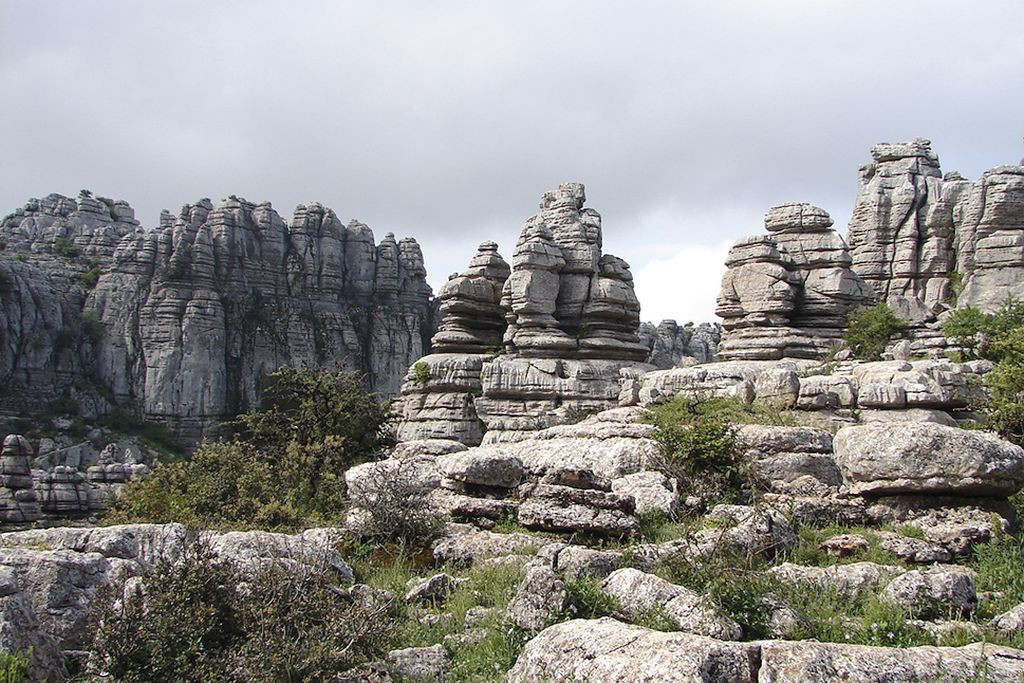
point(997, 337)
point(285, 467)
point(698, 444)
point(868, 330)
point(200, 619)
point(64, 247)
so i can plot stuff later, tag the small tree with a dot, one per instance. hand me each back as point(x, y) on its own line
point(868, 330)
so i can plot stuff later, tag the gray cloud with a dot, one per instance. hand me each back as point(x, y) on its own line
point(447, 120)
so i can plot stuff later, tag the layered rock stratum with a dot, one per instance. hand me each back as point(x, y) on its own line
point(181, 323)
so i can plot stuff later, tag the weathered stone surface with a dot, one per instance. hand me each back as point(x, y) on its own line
point(521, 395)
point(552, 507)
point(437, 399)
point(955, 523)
point(462, 544)
point(990, 239)
point(18, 501)
point(914, 550)
point(846, 579)
point(486, 466)
point(936, 592)
point(1010, 621)
point(902, 229)
point(800, 661)
point(639, 594)
point(845, 545)
point(574, 561)
point(650, 490)
point(420, 664)
point(673, 345)
point(927, 458)
point(48, 577)
point(471, 318)
point(434, 589)
point(731, 529)
point(787, 294)
point(608, 651)
point(540, 597)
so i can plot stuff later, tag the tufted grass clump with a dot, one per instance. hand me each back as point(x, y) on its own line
point(14, 666)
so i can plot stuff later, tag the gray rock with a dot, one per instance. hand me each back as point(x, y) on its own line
point(639, 594)
point(484, 466)
point(1010, 621)
point(651, 491)
point(420, 664)
point(540, 598)
point(846, 579)
point(914, 550)
point(934, 592)
point(608, 651)
point(462, 544)
point(432, 590)
point(799, 661)
point(927, 458)
point(18, 501)
point(574, 562)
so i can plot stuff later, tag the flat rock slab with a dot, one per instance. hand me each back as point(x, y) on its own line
point(880, 459)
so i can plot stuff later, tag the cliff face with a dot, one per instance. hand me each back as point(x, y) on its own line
point(185, 320)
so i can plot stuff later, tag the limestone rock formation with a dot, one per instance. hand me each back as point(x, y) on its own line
point(787, 294)
point(569, 330)
point(672, 345)
point(18, 502)
point(181, 322)
point(917, 236)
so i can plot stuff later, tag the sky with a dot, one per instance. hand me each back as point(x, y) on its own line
point(447, 120)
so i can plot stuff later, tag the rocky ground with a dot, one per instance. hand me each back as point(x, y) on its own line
point(865, 553)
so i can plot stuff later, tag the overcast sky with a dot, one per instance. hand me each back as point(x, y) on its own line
point(447, 120)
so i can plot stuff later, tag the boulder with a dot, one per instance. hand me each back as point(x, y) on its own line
point(540, 598)
point(936, 592)
point(640, 594)
point(608, 651)
point(927, 458)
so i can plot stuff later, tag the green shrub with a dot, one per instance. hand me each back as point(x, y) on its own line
point(308, 407)
point(92, 326)
point(64, 247)
point(200, 619)
point(155, 435)
point(698, 444)
point(421, 374)
point(92, 276)
point(285, 468)
point(588, 601)
point(14, 666)
point(868, 330)
point(999, 338)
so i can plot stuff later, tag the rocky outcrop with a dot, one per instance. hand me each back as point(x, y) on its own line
point(787, 294)
point(49, 577)
point(18, 501)
point(569, 333)
point(183, 321)
point(917, 236)
point(672, 345)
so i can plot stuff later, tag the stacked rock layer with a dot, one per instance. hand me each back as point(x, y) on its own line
point(566, 315)
point(787, 294)
point(918, 237)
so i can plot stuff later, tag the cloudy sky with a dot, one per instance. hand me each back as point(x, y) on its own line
point(447, 120)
